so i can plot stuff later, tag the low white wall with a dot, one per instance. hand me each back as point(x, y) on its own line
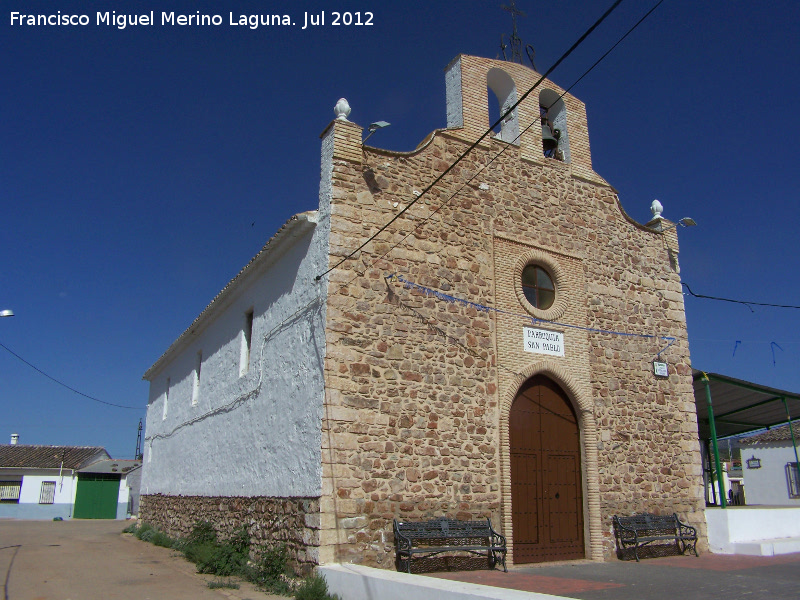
point(356, 582)
point(733, 525)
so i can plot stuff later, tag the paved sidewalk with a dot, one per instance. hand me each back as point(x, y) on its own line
point(93, 560)
point(667, 578)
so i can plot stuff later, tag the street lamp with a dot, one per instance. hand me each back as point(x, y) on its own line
point(6, 313)
point(374, 127)
point(684, 222)
point(655, 224)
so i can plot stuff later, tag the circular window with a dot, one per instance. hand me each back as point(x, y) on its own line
point(538, 287)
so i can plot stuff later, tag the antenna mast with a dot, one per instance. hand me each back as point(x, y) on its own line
point(138, 455)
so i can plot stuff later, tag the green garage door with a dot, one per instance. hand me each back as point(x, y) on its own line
point(96, 497)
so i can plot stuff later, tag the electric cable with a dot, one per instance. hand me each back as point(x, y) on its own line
point(476, 142)
point(609, 51)
point(505, 147)
point(247, 395)
point(745, 302)
point(61, 383)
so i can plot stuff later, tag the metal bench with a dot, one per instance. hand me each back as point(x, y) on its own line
point(641, 530)
point(431, 538)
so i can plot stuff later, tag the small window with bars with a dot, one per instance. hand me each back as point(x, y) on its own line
point(9, 491)
point(793, 479)
point(48, 493)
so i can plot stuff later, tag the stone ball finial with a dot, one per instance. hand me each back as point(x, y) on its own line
point(656, 208)
point(342, 109)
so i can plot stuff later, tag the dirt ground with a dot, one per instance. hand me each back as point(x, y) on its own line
point(93, 559)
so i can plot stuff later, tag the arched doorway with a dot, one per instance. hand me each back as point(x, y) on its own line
point(546, 497)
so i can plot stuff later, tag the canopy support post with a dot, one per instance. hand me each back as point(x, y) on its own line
point(791, 432)
point(722, 498)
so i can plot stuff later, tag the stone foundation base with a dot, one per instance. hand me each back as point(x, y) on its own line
point(270, 521)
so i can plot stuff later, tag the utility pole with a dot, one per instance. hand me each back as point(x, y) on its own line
point(138, 455)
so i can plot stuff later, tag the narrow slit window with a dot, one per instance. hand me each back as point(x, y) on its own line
point(196, 379)
point(247, 340)
point(166, 400)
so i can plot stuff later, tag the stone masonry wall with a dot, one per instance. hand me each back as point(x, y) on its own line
point(418, 389)
point(270, 521)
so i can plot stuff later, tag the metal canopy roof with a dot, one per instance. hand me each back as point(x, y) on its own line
point(740, 406)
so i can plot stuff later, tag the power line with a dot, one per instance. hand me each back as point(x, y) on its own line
point(610, 50)
point(476, 142)
point(747, 303)
point(496, 156)
point(61, 383)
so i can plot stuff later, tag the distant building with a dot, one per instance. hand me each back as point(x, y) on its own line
point(771, 475)
point(45, 482)
point(490, 355)
point(108, 489)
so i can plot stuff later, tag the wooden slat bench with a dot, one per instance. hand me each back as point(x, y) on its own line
point(641, 530)
point(425, 539)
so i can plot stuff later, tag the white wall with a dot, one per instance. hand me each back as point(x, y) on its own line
point(744, 529)
point(28, 506)
point(258, 434)
point(357, 582)
point(32, 487)
point(768, 485)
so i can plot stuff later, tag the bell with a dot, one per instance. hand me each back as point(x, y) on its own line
point(549, 141)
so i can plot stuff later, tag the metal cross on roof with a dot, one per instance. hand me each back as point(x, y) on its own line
point(514, 40)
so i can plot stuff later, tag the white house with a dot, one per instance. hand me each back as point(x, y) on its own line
point(47, 482)
point(770, 467)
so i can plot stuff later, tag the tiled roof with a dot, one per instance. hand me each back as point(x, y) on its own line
point(776, 434)
point(49, 457)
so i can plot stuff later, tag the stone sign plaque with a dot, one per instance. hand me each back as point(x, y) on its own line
point(543, 341)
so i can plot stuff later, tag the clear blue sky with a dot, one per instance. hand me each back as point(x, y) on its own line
point(140, 169)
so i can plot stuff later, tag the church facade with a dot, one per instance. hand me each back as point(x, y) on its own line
point(490, 354)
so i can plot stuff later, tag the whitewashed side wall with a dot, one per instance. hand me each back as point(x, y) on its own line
point(256, 434)
point(768, 485)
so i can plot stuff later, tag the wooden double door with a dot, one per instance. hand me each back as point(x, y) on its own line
point(546, 496)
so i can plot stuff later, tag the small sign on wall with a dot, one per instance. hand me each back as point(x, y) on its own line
point(660, 369)
point(543, 341)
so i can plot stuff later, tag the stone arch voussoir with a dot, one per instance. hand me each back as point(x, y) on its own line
point(583, 404)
